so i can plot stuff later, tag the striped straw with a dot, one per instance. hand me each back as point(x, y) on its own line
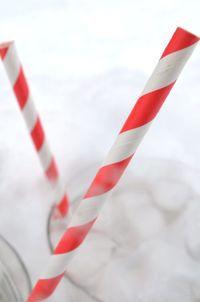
point(154, 94)
point(25, 101)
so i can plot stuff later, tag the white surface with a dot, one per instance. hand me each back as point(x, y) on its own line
point(87, 62)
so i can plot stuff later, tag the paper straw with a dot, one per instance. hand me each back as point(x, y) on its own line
point(25, 101)
point(155, 92)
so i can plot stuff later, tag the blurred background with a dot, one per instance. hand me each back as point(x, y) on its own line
point(87, 62)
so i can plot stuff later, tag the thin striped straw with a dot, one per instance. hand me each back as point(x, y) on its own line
point(25, 101)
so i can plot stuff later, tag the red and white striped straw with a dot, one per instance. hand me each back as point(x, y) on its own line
point(154, 94)
point(21, 90)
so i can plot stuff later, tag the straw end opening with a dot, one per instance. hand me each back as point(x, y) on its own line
point(6, 44)
point(4, 48)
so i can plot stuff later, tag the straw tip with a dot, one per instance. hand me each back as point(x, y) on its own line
point(180, 29)
point(181, 39)
point(6, 44)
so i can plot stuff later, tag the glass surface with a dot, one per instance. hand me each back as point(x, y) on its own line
point(140, 214)
point(15, 284)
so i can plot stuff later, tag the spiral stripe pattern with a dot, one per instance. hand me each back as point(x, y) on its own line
point(147, 106)
point(25, 101)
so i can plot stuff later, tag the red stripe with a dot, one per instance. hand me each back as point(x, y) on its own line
point(3, 52)
point(21, 89)
point(107, 177)
point(52, 171)
point(44, 288)
point(63, 206)
point(146, 108)
point(73, 237)
point(180, 39)
point(37, 134)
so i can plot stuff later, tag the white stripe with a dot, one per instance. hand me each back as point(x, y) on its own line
point(126, 144)
point(12, 64)
point(88, 209)
point(57, 265)
point(29, 113)
point(59, 190)
point(168, 69)
point(45, 155)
